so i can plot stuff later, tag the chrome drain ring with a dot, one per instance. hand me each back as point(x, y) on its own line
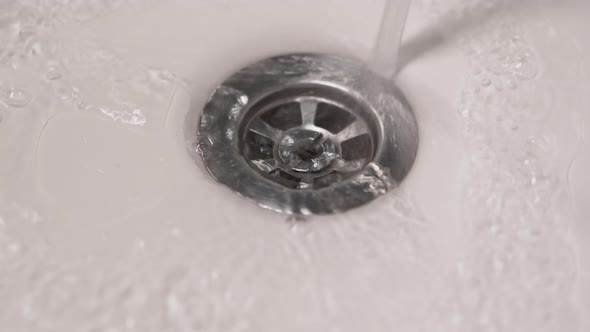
point(308, 134)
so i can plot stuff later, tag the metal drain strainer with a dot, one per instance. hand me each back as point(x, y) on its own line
point(308, 134)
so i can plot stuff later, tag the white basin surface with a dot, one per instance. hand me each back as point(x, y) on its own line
point(108, 224)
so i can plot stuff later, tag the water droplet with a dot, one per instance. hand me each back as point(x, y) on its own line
point(16, 97)
point(486, 82)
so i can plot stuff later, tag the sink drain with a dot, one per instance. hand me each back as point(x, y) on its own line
point(308, 134)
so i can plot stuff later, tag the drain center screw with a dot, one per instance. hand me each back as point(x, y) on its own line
point(306, 151)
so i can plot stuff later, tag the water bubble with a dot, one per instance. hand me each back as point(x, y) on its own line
point(511, 84)
point(16, 97)
point(63, 93)
point(137, 118)
point(203, 146)
point(165, 76)
point(53, 73)
point(264, 165)
point(486, 82)
point(465, 112)
point(82, 106)
point(498, 85)
point(526, 71)
point(303, 185)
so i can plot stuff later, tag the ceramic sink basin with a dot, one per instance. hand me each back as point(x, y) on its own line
point(108, 224)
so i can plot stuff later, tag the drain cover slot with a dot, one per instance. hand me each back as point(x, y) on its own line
point(308, 134)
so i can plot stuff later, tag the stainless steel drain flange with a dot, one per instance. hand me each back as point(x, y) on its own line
point(308, 134)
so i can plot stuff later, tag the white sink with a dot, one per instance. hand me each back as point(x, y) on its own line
point(107, 224)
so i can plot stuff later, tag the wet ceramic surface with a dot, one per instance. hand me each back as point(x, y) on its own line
point(108, 224)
